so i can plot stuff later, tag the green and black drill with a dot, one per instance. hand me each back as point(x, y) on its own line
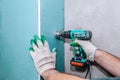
point(80, 58)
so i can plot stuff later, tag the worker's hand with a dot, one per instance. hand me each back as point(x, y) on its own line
point(42, 57)
point(89, 48)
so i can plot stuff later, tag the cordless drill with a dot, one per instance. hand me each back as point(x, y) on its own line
point(79, 58)
point(74, 34)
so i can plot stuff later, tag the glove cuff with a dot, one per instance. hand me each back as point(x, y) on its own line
point(91, 57)
point(45, 67)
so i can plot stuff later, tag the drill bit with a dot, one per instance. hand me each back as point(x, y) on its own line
point(58, 35)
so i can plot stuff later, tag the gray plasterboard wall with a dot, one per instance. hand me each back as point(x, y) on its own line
point(102, 17)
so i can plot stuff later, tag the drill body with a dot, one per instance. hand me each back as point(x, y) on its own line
point(79, 58)
point(75, 34)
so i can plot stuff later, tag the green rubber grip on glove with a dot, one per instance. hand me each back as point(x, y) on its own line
point(34, 41)
point(75, 44)
point(42, 39)
point(31, 49)
point(76, 51)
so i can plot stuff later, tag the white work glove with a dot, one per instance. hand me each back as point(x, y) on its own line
point(42, 57)
point(89, 48)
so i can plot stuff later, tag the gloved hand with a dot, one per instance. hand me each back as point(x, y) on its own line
point(89, 48)
point(42, 57)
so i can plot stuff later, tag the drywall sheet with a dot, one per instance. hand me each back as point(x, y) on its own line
point(102, 18)
point(18, 24)
point(52, 20)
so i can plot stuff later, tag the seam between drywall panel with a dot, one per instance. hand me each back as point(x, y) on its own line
point(39, 27)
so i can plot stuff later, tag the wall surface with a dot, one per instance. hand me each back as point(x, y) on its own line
point(52, 20)
point(102, 17)
point(18, 24)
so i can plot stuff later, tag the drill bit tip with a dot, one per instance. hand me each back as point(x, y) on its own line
point(57, 35)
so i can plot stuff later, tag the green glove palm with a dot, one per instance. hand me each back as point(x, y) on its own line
point(78, 49)
point(88, 47)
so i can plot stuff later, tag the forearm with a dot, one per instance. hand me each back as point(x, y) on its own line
point(108, 61)
point(55, 75)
